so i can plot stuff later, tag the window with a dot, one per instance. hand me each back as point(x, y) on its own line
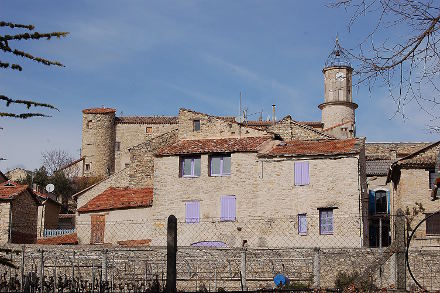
point(87, 167)
point(326, 221)
point(302, 224)
point(196, 125)
point(227, 212)
point(220, 165)
point(192, 212)
point(381, 201)
point(127, 165)
point(432, 177)
point(302, 173)
point(89, 124)
point(149, 129)
point(117, 146)
point(433, 224)
point(190, 166)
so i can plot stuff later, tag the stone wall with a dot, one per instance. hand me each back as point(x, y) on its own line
point(98, 143)
point(265, 189)
point(24, 210)
point(141, 169)
point(217, 268)
point(131, 135)
point(4, 222)
point(414, 188)
point(289, 130)
point(212, 127)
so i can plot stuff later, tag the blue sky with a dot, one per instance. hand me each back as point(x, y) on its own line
point(153, 57)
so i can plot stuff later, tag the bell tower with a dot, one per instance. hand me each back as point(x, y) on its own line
point(338, 109)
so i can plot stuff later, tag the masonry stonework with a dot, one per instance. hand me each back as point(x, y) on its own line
point(98, 142)
point(24, 219)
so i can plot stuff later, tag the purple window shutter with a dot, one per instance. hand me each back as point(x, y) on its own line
point(298, 173)
point(192, 211)
point(227, 208)
point(305, 173)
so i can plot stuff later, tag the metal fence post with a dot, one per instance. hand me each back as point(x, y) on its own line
point(41, 270)
point(22, 267)
point(400, 247)
point(104, 265)
point(171, 254)
point(243, 269)
point(317, 268)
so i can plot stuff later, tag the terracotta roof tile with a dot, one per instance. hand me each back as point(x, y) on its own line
point(10, 189)
point(378, 167)
point(65, 239)
point(314, 147)
point(99, 111)
point(220, 145)
point(119, 198)
point(147, 120)
point(423, 158)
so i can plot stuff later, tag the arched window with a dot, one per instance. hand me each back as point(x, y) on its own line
point(381, 201)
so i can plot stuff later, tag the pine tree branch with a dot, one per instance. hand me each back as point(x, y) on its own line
point(22, 115)
point(7, 262)
point(4, 47)
point(12, 66)
point(34, 36)
point(25, 102)
point(14, 25)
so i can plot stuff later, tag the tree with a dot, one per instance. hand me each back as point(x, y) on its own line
point(5, 46)
point(54, 160)
point(401, 52)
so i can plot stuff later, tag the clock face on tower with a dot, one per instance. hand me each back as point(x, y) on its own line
point(340, 76)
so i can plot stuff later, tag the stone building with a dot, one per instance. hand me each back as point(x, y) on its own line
point(18, 213)
point(148, 152)
point(48, 213)
point(415, 182)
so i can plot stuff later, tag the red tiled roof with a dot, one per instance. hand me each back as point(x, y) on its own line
point(311, 123)
point(147, 120)
point(59, 240)
point(140, 242)
point(119, 198)
point(99, 111)
point(315, 147)
point(219, 145)
point(10, 189)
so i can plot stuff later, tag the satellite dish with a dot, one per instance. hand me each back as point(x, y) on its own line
point(50, 187)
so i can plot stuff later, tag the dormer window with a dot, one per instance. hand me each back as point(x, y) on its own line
point(196, 125)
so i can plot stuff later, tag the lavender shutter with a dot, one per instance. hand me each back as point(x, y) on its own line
point(227, 208)
point(192, 211)
point(305, 173)
point(298, 173)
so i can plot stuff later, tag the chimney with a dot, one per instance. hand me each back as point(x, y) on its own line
point(273, 114)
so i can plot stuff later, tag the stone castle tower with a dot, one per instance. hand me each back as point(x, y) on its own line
point(338, 109)
point(98, 141)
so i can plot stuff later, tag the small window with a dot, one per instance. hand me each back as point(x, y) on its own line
point(196, 125)
point(117, 146)
point(220, 165)
point(433, 224)
point(127, 165)
point(190, 166)
point(432, 177)
point(227, 212)
point(87, 167)
point(326, 221)
point(302, 224)
point(89, 124)
point(149, 129)
point(192, 212)
point(302, 173)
